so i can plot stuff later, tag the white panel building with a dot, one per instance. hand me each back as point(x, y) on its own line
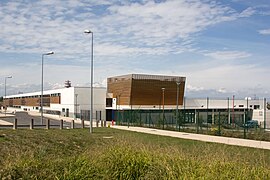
point(68, 102)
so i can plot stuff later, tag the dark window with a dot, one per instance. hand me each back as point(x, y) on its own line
point(108, 102)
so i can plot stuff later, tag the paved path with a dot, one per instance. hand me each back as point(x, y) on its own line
point(2, 122)
point(25, 116)
point(200, 137)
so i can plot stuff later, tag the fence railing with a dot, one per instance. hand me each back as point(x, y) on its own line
point(215, 122)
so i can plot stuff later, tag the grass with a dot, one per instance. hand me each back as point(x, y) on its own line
point(114, 154)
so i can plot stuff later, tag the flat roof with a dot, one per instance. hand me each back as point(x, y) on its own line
point(52, 91)
point(148, 76)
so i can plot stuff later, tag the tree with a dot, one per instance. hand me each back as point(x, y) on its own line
point(1, 99)
point(268, 106)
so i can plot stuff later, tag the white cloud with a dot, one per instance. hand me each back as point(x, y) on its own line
point(193, 88)
point(228, 55)
point(44, 25)
point(247, 12)
point(125, 35)
point(222, 90)
point(264, 31)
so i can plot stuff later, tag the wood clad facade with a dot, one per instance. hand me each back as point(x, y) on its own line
point(138, 89)
point(121, 89)
point(33, 100)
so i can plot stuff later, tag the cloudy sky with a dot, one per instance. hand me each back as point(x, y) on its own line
point(221, 46)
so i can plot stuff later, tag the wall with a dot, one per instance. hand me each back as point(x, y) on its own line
point(149, 92)
point(146, 90)
point(83, 99)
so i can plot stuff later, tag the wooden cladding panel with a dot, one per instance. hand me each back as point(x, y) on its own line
point(33, 101)
point(149, 92)
point(121, 90)
point(145, 91)
point(55, 99)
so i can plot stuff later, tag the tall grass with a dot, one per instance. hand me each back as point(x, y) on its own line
point(75, 154)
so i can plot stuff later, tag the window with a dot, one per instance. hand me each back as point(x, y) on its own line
point(63, 109)
point(241, 105)
point(256, 106)
point(108, 102)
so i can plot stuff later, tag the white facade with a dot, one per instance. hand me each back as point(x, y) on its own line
point(256, 106)
point(72, 100)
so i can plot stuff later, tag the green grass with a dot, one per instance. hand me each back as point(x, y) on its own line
point(115, 154)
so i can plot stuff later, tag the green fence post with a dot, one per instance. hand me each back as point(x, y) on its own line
point(245, 133)
point(197, 121)
point(207, 107)
point(219, 130)
point(128, 118)
point(264, 114)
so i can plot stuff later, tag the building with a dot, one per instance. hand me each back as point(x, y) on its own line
point(68, 102)
point(234, 110)
point(146, 91)
point(140, 91)
point(155, 98)
point(140, 97)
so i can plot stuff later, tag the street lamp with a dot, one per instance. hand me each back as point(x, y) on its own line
point(91, 74)
point(163, 99)
point(177, 100)
point(6, 91)
point(41, 97)
point(76, 105)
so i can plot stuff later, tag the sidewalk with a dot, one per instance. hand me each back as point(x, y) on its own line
point(199, 137)
point(57, 117)
point(65, 119)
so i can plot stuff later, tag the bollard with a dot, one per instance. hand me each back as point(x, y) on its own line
point(61, 124)
point(15, 123)
point(48, 124)
point(82, 123)
point(72, 124)
point(101, 123)
point(32, 124)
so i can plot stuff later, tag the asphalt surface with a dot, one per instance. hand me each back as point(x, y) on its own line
point(23, 121)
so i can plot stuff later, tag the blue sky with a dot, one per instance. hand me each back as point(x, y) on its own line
point(221, 47)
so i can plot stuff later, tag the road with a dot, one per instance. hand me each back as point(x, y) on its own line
point(23, 120)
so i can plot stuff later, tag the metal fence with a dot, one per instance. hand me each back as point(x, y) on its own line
point(222, 122)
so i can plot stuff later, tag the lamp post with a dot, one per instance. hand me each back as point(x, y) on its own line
point(6, 91)
point(41, 97)
point(91, 74)
point(76, 105)
point(163, 99)
point(177, 100)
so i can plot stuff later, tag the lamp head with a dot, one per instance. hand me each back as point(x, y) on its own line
point(49, 53)
point(87, 31)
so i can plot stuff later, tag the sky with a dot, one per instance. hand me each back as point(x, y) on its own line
point(221, 46)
